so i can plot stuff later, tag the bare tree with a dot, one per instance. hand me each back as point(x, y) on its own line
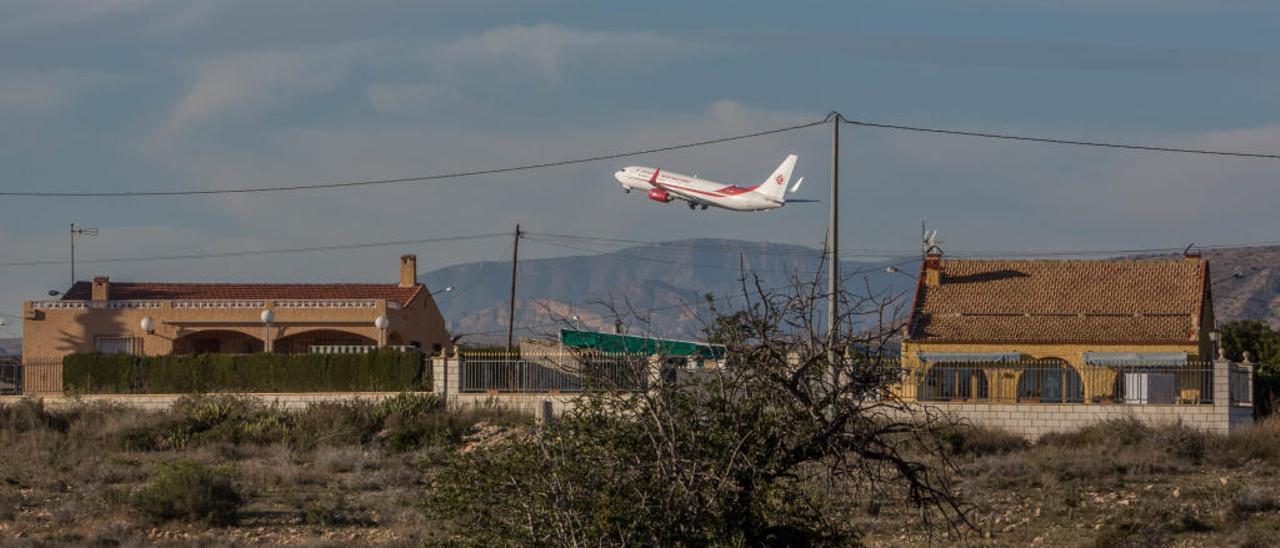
point(780, 445)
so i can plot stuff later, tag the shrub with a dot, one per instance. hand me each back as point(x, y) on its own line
point(1133, 533)
point(334, 423)
point(30, 414)
point(981, 440)
point(1251, 500)
point(407, 405)
point(1114, 432)
point(188, 491)
point(128, 374)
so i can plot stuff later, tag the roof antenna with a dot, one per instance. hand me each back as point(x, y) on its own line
point(928, 240)
point(1187, 249)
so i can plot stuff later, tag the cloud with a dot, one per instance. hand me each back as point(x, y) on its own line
point(401, 98)
point(1011, 53)
point(545, 51)
point(38, 92)
point(241, 84)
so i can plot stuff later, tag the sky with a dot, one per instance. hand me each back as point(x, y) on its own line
point(102, 95)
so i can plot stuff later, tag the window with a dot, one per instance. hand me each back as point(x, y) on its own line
point(952, 381)
point(1050, 381)
point(118, 345)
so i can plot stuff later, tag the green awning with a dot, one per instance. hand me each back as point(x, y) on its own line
point(632, 344)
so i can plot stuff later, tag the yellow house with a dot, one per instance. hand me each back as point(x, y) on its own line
point(1060, 331)
point(163, 318)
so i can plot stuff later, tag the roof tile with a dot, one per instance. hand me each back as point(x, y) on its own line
point(1120, 301)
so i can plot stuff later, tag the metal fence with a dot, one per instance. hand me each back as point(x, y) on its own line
point(558, 372)
point(1038, 382)
point(10, 375)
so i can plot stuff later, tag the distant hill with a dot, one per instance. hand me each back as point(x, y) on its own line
point(9, 347)
point(669, 276)
point(1255, 293)
point(674, 274)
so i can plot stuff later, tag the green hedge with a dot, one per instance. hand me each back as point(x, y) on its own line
point(381, 371)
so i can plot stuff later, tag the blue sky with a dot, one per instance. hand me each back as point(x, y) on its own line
point(145, 94)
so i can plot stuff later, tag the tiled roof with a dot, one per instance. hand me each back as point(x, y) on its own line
point(123, 291)
point(1115, 301)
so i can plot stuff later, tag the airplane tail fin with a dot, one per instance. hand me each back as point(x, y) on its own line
point(775, 187)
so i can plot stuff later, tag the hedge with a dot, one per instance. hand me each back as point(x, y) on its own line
point(380, 371)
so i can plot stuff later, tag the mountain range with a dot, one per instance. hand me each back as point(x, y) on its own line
point(665, 286)
point(662, 288)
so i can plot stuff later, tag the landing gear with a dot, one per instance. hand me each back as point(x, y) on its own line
point(626, 190)
point(704, 207)
point(692, 205)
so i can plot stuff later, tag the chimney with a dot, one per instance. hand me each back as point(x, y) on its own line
point(1191, 256)
point(408, 270)
point(933, 269)
point(101, 288)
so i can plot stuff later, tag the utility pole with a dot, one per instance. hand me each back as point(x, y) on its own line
point(833, 239)
point(88, 231)
point(511, 312)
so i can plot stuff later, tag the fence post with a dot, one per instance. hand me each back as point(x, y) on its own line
point(1222, 393)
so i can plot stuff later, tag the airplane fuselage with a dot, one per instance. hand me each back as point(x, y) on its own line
point(666, 186)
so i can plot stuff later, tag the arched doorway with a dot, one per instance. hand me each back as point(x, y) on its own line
point(217, 341)
point(1050, 380)
point(955, 381)
point(299, 343)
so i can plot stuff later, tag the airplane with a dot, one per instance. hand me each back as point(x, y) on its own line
point(667, 186)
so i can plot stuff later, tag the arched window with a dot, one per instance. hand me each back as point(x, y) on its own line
point(955, 381)
point(1050, 380)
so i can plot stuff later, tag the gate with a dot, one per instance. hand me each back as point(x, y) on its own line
point(10, 375)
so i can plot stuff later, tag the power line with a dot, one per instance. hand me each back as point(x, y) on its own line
point(1054, 141)
point(420, 179)
point(261, 251)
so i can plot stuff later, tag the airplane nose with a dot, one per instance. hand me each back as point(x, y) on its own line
point(619, 176)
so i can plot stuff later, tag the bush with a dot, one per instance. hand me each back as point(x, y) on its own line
point(188, 491)
point(129, 374)
point(981, 440)
point(30, 414)
point(1252, 500)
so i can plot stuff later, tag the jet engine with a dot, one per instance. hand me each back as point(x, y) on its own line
point(659, 195)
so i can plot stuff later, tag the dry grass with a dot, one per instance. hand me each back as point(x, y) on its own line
point(328, 475)
point(354, 473)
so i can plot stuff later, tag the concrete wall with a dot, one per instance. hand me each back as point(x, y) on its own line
point(159, 402)
point(1028, 419)
point(1035, 420)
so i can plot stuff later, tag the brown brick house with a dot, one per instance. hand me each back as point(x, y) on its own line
point(162, 318)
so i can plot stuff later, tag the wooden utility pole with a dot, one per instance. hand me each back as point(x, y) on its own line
point(833, 239)
point(511, 312)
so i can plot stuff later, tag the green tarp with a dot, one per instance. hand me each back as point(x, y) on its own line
point(611, 342)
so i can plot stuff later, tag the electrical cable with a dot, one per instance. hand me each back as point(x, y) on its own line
point(1054, 141)
point(260, 251)
point(424, 178)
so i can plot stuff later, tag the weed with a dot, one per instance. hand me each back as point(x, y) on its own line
point(188, 491)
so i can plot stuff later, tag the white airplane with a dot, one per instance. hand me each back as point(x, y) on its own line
point(666, 186)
